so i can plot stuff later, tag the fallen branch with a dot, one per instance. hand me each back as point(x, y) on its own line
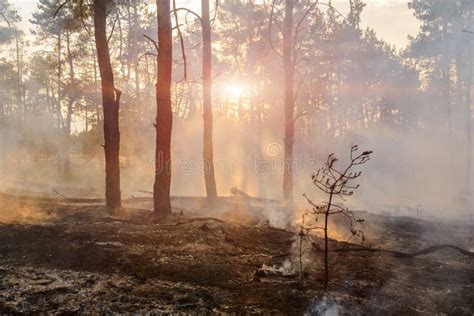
point(239, 193)
point(57, 192)
point(144, 191)
point(400, 254)
point(202, 219)
point(50, 200)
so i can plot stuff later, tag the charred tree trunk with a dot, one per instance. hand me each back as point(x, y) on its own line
point(208, 153)
point(289, 70)
point(164, 115)
point(110, 104)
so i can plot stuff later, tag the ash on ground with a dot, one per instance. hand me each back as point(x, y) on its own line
point(77, 259)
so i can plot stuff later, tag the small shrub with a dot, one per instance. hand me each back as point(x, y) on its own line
point(335, 183)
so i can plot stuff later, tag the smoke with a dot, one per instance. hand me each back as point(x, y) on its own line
point(325, 307)
point(409, 169)
point(418, 165)
point(14, 211)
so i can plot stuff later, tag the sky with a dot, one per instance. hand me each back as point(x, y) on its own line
point(391, 19)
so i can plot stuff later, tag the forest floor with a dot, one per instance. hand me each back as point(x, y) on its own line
point(74, 258)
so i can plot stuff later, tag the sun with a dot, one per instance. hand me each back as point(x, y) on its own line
point(235, 90)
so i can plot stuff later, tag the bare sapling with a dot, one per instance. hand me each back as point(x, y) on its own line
point(336, 183)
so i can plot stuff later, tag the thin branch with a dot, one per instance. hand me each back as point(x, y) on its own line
point(6, 20)
point(151, 40)
point(174, 11)
point(215, 13)
point(270, 30)
point(81, 13)
point(334, 8)
point(300, 22)
point(145, 55)
point(113, 28)
point(310, 201)
point(301, 114)
point(181, 40)
point(60, 7)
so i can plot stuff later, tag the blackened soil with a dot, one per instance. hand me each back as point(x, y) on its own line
point(60, 258)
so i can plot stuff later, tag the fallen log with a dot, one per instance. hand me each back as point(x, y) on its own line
point(242, 195)
point(239, 193)
point(48, 199)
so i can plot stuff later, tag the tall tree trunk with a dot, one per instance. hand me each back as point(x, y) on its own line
point(147, 81)
point(136, 30)
point(67, 128)
point(58, 82)
point(447, 91)
point(135, 110)
point(87, 118)
point(48, 94)
point(110, 103)
point(208, 153)
point(164, 115)
point(19, 77)
point(96, 96)
point(289, 71)
point(58, 101)
point(468, 100)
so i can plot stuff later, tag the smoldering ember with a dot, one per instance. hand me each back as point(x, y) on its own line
point(235, 157)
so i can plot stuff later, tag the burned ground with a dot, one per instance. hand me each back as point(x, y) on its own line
point(78, 259)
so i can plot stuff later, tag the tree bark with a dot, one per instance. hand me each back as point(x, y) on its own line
point(164, 115)
point(96, 96)
point(58, 101)
point(20, 93)
point(446, 60)
point(71, 99)
point(208, 153)
point(289, 70)
point(468, 100)
point(135, 52)
point(58, 81)
point(110, 104)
